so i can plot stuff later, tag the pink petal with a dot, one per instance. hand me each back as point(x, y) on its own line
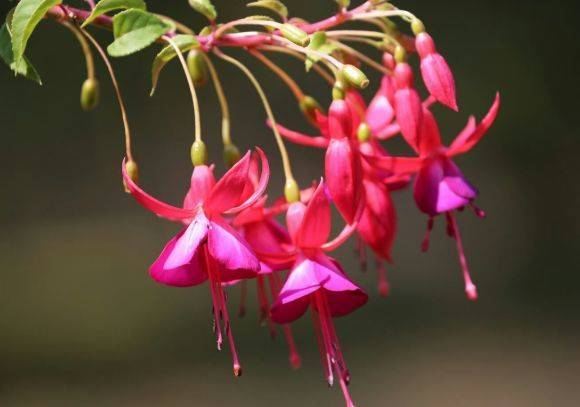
point(430, 139)
point(339, 120)
point(344, 176)
point(357, 107)
point(395, 165)
point(315, 227)
point(342, 294)
point(186, 275)
point(188, 243)
point(228, 191)
point(260, 187)
point(230, 250)
point(157, 207)
point(409, 113)
point(460, 146)
point(202, 182)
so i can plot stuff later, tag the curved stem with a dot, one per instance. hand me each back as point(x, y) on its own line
point(194, 99)
point(274, 48)
point(359, 55)
point(90, 62)
point(226, 134)
point(267, 107)
point(385, 13)
point(354, 33)
point(291, 83)
point(100, 50)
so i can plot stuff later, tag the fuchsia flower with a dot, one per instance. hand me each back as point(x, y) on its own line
point(317, 281)
point(440, 186)
point(208, 247)
point(435, 71)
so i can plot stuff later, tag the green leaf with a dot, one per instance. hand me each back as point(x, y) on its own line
point(184, 42)
point(105, 6)
point(318, 42)
point(27, 15)
point(24, 67)
point(204, 7)
point(274, 5)
point(134, 30)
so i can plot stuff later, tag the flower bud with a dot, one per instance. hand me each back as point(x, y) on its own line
point(295, 34)
point(132, 172)
point(231, 155)
point(291, 191)
point(309, 106)
point(90, 94)
point(197, 67)
point(363, 133)
point(198, 153)
point(354, 76)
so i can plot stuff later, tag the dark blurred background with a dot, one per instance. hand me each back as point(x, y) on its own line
point(81, 323)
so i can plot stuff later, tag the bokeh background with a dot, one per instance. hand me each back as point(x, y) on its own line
point(81, 323)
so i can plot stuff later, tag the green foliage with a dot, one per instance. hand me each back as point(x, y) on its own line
point(24, 67)
point(273, 5)
point(184, 42)
point(135, 30)
point(27, 15)
point(105, 6)
point(318, 42)
point(204, 7)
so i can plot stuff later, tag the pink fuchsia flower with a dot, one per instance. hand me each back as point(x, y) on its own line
point(440, 186)
point(318, 282)
point(208, 248)
point(436, 73)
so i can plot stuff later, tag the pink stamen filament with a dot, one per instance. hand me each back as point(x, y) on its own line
point(426, 239)
point(294, 356)
point(243, 298)
point(383, 283)
point(470, 288)
point(214, 299)
point(361, 253)
point(265, 307)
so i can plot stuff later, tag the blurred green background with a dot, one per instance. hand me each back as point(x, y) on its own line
point(82, 324)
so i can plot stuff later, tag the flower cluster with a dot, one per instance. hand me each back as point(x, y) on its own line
point(231, 232)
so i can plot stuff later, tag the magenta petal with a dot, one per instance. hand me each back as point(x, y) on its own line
point(188, 243)
point(342, 294)
point(230, 250)
point(457, 182)
point(439, 79)
point(227, 193)
point(157, 207)
point(259, 189)
point(186, 275)
point(202, 182)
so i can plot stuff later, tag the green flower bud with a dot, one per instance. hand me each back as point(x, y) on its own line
point(354, 76)
point(90, 94)
point(309, 106)
point(291, 191)
point(400, 54)
point(231, 155)
point(197, 67)
point(132, 172)
point(198, 153)
point(363, 132)
point(295, 34)
point(417, 26)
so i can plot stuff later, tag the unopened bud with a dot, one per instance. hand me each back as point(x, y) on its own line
point(363, 133)
point(309, 106)
point(197, 67)
point(133, 173)
point(354, 76)
point(90, 94)
point(198, 153)
point(417, 26)
point(231, 155)
point(400, 54)
point(291, 191)
point(295, 34)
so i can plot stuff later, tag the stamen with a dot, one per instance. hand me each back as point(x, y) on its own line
point(480, 213)
point(361, 252)
point(324, 358)
point(425, 244)
point(470, 288)
point(383, 283)
point(214, 299)
point(294, 357)
point(265, 307)
point(450, 230)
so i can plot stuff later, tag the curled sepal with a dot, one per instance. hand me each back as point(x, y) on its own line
point(183, 42)
point(156, 206)
point(26, 17)
point(135, 30)
point(273, 5)
point(105, 6)
point(204, 7)
point(90, 94)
